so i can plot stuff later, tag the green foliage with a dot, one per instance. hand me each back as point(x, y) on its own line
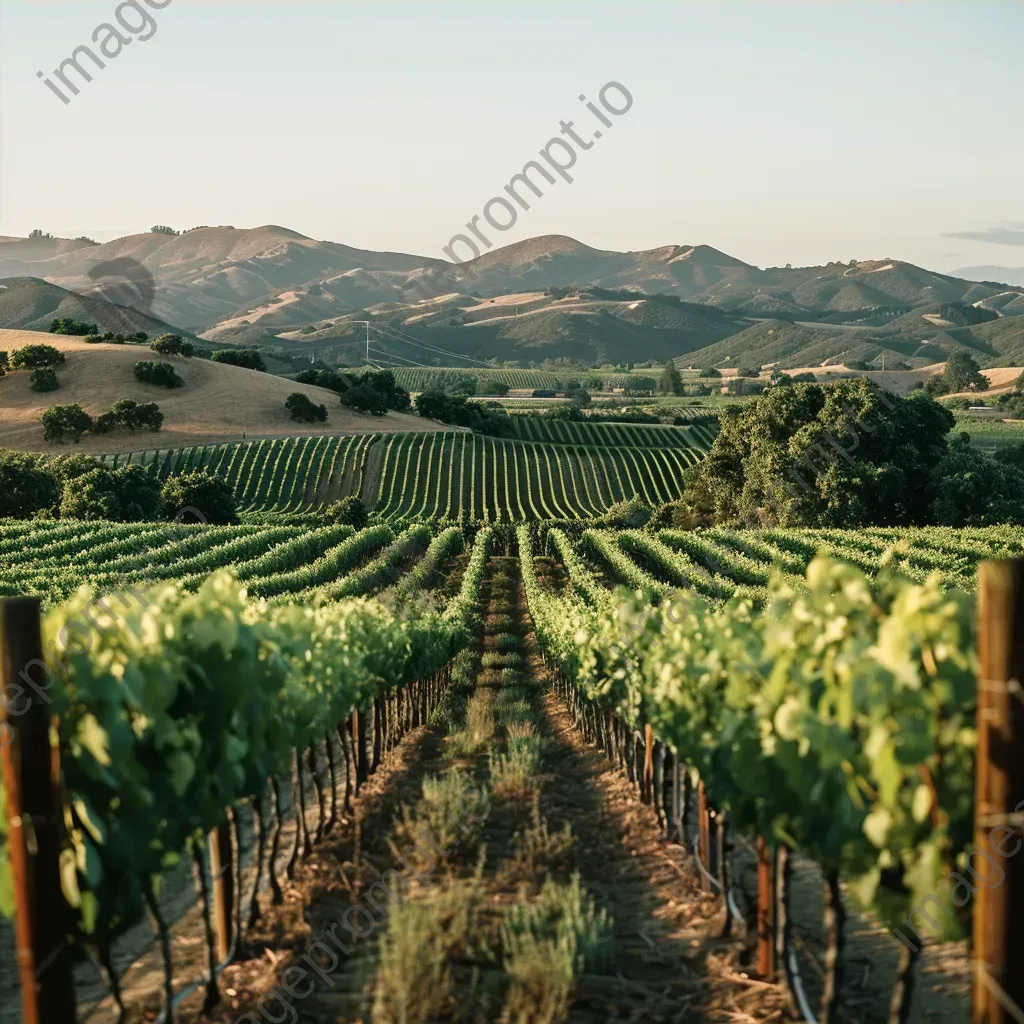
point(63, 422)
point(304, 409)
point(44, 378)
point(365, 399)
point(709, 372)
point(247, 358)
point(964, 315)
point(32, 356)
point(329, 379)
point(172, 345)
point(27, 487)
point(67, 325)
point(131, 415)
point(974, 489)
point(125, 495)
point(349, 510)
point(962, 373)
point(838, 721)
point(843, 454)
point(459, 411)
point(198, 496)
point(161, 375)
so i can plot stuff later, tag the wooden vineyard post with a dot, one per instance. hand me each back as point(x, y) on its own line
point(703, 837)
point(34, 825)
point(648, 794)
point(222, 875)
point(765, 911)
point(999, 792)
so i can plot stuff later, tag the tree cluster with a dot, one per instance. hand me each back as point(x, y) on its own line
point(846, 454)
point(247, 358)
point(457, 410)
point(138, 338)
point(68, 325)
point(964, 315)
point(304, 409)
point(962, 373)
point(78, 487)
point(32, 356)
point(376, 393)
point(69, 422)
point(161, 375)
point(173, 345)
point(671, 380)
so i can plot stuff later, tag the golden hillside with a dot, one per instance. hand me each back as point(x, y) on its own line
point(217, 403)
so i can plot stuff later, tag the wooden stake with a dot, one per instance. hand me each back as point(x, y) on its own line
point(703, 836)
point(34, 819)
point(765, 911)
point(221, 861)
point(999, 790)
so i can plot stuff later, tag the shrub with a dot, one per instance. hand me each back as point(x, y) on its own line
point(27, 486)
point(304, 410)
point(329, 379)
point(161, 375)
point(61, 422)
point(363, 398)
point(32, 356)
point(92, 339)
point(709, 372)
point(173, 345)
point(67, 325)
point(132, 416)
point(199, 496)
point(44, 378)
point(4, 364)
point(247, 358)
point(349, 510)
point(124, 494)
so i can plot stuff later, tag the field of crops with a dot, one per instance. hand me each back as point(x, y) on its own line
point(273, 669)
point(612, 435)
point(723, 563)
point(465, 476)
point(291, 474)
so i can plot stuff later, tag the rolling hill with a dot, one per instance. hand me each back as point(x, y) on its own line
point(271, 286)
point(26, 303)
point(218, 402)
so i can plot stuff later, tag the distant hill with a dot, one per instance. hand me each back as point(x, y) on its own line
point(218, 402)
point(273, 287)
point(30, 304)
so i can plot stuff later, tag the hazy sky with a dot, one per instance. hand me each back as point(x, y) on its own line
point(779, 132)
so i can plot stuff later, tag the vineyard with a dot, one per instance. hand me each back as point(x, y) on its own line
point(612, 435)
point(307, 657)
point(449, 475)
point(290, 474)
point(474, 478)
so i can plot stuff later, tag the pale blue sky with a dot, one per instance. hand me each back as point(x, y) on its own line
point(779, 132)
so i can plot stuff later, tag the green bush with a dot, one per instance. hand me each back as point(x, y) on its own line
point(127, 494)
point(44, 378)
point(61, 422)
point(173, 345)
point(350, 511)
point(304, 409)
point(67, 325)
point(130, 415)
point(27, 486)
point(199, 496)
point(247, 358)
point(161, 375)
point(32, 356)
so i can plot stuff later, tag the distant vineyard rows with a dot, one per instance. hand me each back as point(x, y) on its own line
point(427, 378)
point(579, 470)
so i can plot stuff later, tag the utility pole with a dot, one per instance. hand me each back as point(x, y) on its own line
point(367, 324)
